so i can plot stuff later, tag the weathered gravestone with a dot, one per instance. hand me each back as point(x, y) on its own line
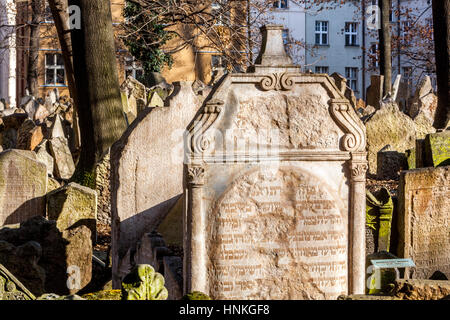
point(424, 220)
point(275, 186)
point(23, 184)
point(11, 288)
point(147, 172)
point(375, 91)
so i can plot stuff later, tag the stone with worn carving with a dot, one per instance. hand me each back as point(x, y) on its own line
point(437, 149)
point(23, 184)
point(73, 205)
point(275, 185)
point(388, 126)
point(64, 166)
point(147, 171)
point(29, 136)
point(424, 220)
point(143, 283)
point(375, 91)
point(11, 288)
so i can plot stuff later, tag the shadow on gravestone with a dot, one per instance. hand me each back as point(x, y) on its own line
point(147, 171)
point(53, 246)
point(18, 214)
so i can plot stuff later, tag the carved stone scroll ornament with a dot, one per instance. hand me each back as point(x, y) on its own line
point(202, 141)
point(355, 135)
point(277, 81)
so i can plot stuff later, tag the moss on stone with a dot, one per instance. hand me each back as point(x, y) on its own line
point(104, 295)
point(196, 295)
point(143, 283)
point(86, 178)
point(437, 148)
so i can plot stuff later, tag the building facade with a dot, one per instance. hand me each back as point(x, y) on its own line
point(8, 51)
point(339, 39)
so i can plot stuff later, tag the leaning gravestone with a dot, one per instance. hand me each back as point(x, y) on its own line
point(424, 220)
point(275, 186)
point(23, 184)
point(147, 172)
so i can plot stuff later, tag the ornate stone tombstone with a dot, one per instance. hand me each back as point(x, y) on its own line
point(275, 186)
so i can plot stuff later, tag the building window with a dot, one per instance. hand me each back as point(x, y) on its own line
point(351, 33)
point(54, 69)
point(405, 27)
point(48, 17)
point(133, 69)
point(322, 69)
point(218, 10)
point(352, 77)
point(282, 4)
point(407, 72)
point(218, 62)
point(286, 39)
point(321, 32)
point(374, 55)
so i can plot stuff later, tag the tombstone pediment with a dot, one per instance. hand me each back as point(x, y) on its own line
point(275, 174)
point(294, 113)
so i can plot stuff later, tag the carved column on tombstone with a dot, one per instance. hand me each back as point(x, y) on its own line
point(357, 254)
point(195, 273)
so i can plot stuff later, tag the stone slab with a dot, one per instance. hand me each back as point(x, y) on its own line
point(147, 171)
point(437, 149)
point(23, 184)
point(417, 289)
point(424, 220)
point(73, 205)
point(64, 166)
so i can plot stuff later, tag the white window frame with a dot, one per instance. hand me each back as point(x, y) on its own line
point(216, 11)
point(351, 33)
point(221, 65)
point(281, 4)
point(403, 25)
point(351, 73)
point(322, 69)
point(374, 51)
point(134, 67)
point(55, 67)
point(321, 30)
point(48, 18)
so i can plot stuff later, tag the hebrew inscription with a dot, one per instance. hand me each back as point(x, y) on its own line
point(277, 234)
point(429, 216)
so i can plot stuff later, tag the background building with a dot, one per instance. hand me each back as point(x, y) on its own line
point(323, 41)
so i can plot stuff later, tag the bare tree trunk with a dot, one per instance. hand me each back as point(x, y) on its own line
point(61, 17)
point(385, 46)
point(98, 92)
point(37, 9)
point(441, 22)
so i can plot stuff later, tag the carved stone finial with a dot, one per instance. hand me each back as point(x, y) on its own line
point(273, 53)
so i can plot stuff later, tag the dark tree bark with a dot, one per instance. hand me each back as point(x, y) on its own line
point(98, 93)
point(385, 45)
point(37, 12)
point(441, 24)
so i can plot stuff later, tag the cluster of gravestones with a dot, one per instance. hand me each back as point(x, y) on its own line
point(48, 226)
point(48, 127)
point(261, 182)
point(274, 217)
